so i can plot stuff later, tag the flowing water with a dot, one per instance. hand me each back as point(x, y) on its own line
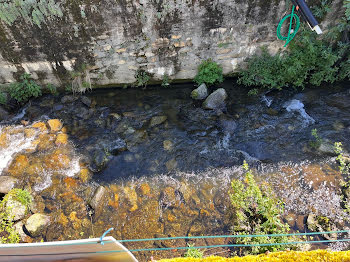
point(167, 164)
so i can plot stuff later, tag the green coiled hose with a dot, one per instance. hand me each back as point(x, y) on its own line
point(290, 35)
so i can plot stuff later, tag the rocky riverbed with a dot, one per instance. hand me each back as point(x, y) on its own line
point(154, 163)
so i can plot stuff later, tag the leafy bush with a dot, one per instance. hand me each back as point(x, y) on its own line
point(24, 90)
point(142, 78)
point(193, 252)
point(165, 80)
point(309, 60)
point(210, 73)
point(257, 211)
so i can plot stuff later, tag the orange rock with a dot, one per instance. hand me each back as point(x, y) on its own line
point(29, 132)
point(133, 208)
point(55, 125)
point(114, 203)
point(171, 217)
point(64, 129)
point(35, 169)
point(114, 188)
point(46, 141)
point(3, 140)
point(57, 160)
point(18, 165)
point(61, 139)
point(40, 125)
point(62, 219)
point(70, 182)
point(145, 189)
point(73, 216)
point(84, 175)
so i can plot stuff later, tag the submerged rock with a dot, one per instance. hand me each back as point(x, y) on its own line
point(157, 120)
point(86, 101)
point(97, 201)
point(117, 146)
point(321, 224)
point(7, 183)
point(36, 224)
point(200, 93)
point(215, 100)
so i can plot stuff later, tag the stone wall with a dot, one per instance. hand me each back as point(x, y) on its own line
point(110, 40)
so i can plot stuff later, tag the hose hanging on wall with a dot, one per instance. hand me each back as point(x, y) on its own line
point(301, 7)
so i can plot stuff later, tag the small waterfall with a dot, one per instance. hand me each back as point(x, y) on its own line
point(13, 143)
point(297, 106)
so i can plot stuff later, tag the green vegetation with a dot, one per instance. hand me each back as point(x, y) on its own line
point(210, 73)
point(21, 195)
point(344, 167)
point(165, 80)
point(3, 98)
point(33, 12)
point(309, 59)
point(24, 90)
point(193, 252)
point(317, 140)
point(142, 78)
point(51, 89)
point(7, 231)
point(257, 211)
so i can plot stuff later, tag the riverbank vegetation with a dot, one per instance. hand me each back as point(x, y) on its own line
point(309, 59)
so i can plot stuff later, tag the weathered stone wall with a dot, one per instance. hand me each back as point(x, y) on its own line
point(112, 39)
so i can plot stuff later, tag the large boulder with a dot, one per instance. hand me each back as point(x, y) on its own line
point(215, 100)
point(36, 224)
point(7, 183)
point(200, 92)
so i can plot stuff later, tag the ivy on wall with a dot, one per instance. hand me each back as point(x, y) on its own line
point(32, 11)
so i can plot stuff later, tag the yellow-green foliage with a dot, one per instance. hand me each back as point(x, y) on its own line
point(23, 196)
point(290, 256)
point(257, 211)
point(33, 12)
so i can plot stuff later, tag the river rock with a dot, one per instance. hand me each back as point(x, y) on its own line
point(4, 115)
point(7, 183)
point(321, 224)
point(97, 200)
point(37, 223)
point(18, 227)
point(86, 101)
point(16, 209)
point(55, 125)
point(157, 120)
point(326, 148)
point(117, 146)
point(100, 159)
point(200, 93)
point(215, 100)
point(68, 99)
